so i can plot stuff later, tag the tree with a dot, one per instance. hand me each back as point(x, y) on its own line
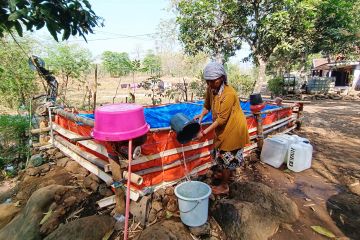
point(153, 84)
point(17, 81)
point(337, 28)
point(152, 63)
point(117, 64)
point(220, 27)
point(242, 83)
point(69, 61)
point(336, 31)
point(66, 17)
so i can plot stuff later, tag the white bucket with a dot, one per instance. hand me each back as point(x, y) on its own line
point(193, 198)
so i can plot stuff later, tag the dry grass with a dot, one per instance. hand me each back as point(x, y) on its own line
point(107, 88)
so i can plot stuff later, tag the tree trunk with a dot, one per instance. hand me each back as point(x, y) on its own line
point(261, 76)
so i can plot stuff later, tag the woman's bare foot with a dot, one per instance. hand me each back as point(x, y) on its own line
point(221, 189)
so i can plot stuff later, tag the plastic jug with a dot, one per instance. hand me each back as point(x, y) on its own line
point(299, 156)
point(290, 139)
point(274, 151)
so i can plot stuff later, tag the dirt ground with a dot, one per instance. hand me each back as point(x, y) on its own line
point(334, 131)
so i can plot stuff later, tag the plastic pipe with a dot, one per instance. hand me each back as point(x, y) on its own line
point(127, 206)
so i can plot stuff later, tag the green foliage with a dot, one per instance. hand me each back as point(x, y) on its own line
point(198, 87)
point(68, 62)
point(242, 83)
point(276, 85)
point(69, 17)
point(117, 64)
point(17, 81)
point(13, 139)
point(338, 27)
point(153, 84)
point(152, 63)
point(283, 31)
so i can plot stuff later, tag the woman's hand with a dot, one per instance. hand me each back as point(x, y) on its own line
point(199, 135)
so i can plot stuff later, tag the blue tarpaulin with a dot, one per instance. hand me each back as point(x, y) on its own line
point(159, 116)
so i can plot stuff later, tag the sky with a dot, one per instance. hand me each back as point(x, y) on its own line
point(130, 26)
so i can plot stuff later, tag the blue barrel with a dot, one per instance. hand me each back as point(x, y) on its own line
point(186, 129)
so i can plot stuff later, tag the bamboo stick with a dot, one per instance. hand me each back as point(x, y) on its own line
point(86, 143)
point(91, 158)
point(278, 126)
point(40, 130)
point(84, 163)
point(260, 135)
point(74, 117)
point(135, 178)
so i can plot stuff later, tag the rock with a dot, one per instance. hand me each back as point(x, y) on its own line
point(62, 161)
point(152, 216)
point(165, 200)
point(96, 227)
point(160, 214)
point(355, 188)
point(26, 224)
point(344, 209)
point(90, 183)
point(201, 230)
point(172, 205)
point(158, 195)
point(157, 206)
point(76, 168)
point(269, 199)
point(169, 191)
point(7, 212)
point(105, 191)
point(70, 201)
point(31, 171)
point(44, 168)
point(58, 155)
point(166, 230)
point(254, 211)
point(52, 151)
point(94, 177)
point(36, 160)
point(94, 186)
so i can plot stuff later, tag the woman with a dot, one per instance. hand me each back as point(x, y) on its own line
point(229, 122)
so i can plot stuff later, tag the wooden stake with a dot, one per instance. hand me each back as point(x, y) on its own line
point(117, 176)
point(95, 87)
point(259, 127)
point(43, 138)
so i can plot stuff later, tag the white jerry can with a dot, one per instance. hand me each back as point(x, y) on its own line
point(299, 156)
point(290, 139)
point(274, 151)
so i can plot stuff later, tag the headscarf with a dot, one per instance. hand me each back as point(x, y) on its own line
point(213, 71)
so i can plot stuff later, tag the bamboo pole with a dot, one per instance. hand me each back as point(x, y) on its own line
point(91, 158)
point(74, 117)
point(40, 130)
point(95, 87)
point(299, 114)
point(84, 163)
point(260, 135)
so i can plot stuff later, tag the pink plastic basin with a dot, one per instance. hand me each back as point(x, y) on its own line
point(118, 122)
